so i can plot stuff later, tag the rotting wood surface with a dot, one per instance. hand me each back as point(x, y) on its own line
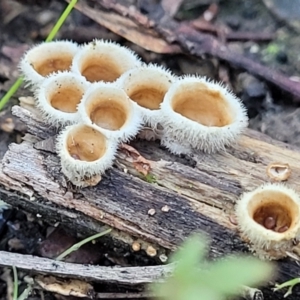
point(200, 191)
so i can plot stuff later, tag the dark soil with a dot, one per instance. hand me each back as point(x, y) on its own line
point(271, 111)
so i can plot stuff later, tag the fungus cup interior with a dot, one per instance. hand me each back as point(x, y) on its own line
point(51, 63)
point(66, 97)
point(86, 144)
point(147, 96)
point(108, 111)
point(100, 68)
point(273, 210)
point(199, 103)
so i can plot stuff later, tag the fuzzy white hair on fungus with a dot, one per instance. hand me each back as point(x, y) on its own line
point(84, 152)
point(269, 217)
point(174, 146)
point(58, 97)
point(47, 58)
point(102, 60)
point(202, 114)
point(146, 86)
point(108, 108)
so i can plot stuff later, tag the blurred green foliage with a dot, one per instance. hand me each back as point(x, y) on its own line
point(197, 278)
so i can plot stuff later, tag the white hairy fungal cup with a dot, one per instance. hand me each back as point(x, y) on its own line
point(108, 108)
point(147, 86)
point(102, 60)
point(59, 95)
point(47, 58)
point(84, 152)
point(201, 114)
point(269, 218)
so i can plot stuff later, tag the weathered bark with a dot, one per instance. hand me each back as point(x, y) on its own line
point(126, 276)
point(200, 190)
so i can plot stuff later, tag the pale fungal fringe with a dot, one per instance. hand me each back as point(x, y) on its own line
point(147, 85)
point(45, 59)
point(266, 242)
point(107, 107)
point(58, 97)
point(174, 146)
point(84, 152)
point(106, 76)
point(102, 60)
point(213, 135)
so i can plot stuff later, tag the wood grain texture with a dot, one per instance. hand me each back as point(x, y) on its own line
point(200, 190)
point(128, 276)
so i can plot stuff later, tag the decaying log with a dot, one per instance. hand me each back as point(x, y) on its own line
point(200, 191)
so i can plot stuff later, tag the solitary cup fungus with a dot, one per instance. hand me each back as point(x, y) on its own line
point(84, 152)
point(201, 114)
point(108, 108)
point(59, 95)
point(102, 60)
point(269, 217)
point(147, 86)
point(279, 171)
point(47, 58)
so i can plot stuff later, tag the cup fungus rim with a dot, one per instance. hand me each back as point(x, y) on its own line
point(31, 76)
point(106, 44)
point(150, 116)
point(257, 233)
point(82, 168)
point(134, 119)
point(51, 114)
point(206, 138)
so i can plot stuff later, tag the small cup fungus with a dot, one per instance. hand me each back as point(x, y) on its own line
point(47, 58)
point(105, 61)
point(201, 114)
point(269, 217)
point(107, 107)
point(147, 86)
point(84, 152)
point(279, 171)
point(59, 96)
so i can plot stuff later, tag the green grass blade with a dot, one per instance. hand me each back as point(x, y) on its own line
point(16, 283)
point(13, 89)
point(81, 243)
point(10, 92)
point(61, 21)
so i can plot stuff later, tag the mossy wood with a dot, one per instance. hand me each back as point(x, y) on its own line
point(196, 193)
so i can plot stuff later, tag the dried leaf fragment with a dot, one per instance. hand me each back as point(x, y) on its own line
point(279, 171)
point(140, 163)
point(66, 287)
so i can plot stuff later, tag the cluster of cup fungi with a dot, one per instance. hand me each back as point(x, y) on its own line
point(101, 94)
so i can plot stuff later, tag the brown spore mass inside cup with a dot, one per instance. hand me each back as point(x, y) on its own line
point(100, 69)
point(203, 105)
point(86, 144)
point(147, 97)
point(66, 98)
point(53, 64)
point(273, 210)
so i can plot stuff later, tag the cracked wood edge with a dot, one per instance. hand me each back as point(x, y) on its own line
point(120, 275)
